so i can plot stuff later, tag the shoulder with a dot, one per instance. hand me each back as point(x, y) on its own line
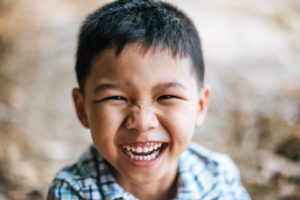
point(217, 163)
point(78, 180)
point(213, 174)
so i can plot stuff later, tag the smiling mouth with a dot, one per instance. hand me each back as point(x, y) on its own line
point(143, 152)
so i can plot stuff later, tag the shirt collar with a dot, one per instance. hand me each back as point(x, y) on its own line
point(188, 185)
point(108, 185)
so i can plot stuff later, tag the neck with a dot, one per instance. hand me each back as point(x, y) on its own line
point(154, 191)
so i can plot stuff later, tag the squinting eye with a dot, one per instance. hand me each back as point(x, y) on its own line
point(112, 98)
point(166, 97)
point(115, 98)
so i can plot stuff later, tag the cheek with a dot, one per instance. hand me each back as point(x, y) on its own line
point(104, 124)
point(180, 123)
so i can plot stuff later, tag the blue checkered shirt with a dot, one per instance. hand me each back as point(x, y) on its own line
point(203, 175)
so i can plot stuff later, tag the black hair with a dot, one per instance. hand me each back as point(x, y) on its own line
point(151, 23)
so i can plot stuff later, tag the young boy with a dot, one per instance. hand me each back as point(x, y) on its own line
point(140, 72)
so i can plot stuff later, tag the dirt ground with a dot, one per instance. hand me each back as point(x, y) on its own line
point(251, 51)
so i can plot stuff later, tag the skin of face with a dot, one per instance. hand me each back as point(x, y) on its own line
point(141, 98)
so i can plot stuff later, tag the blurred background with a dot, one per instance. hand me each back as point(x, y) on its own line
point(252, 55)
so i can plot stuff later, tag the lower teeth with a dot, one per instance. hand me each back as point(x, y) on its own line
point(139, 157)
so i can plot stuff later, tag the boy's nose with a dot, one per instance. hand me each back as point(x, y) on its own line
point(141, 119)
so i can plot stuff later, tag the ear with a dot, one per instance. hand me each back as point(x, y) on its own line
point(202, 105)
point(78, 99)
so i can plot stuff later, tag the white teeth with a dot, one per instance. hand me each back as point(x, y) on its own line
point(149, 157)
point(134, 153)
point(152, 156)
point(133, 149)
point(145, 150)
point(139, 150)
point(142, 149)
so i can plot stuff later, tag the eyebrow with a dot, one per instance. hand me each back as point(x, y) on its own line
point(106, 86)
point(162, 86)
point(169, 85)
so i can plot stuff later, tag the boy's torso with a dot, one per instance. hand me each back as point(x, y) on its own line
point(202, 175)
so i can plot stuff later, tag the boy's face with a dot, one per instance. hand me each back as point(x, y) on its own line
point(142, 109)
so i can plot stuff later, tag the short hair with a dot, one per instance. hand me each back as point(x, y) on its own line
point(152, 23)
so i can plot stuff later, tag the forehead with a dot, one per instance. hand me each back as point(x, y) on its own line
point(138, 65)
point(136, 52)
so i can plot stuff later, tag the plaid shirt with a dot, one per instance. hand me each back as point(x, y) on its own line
point(203, 175)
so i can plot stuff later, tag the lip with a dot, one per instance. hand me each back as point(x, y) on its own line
point(143, 163)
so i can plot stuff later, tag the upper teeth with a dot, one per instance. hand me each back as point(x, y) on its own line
point(144, 149)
